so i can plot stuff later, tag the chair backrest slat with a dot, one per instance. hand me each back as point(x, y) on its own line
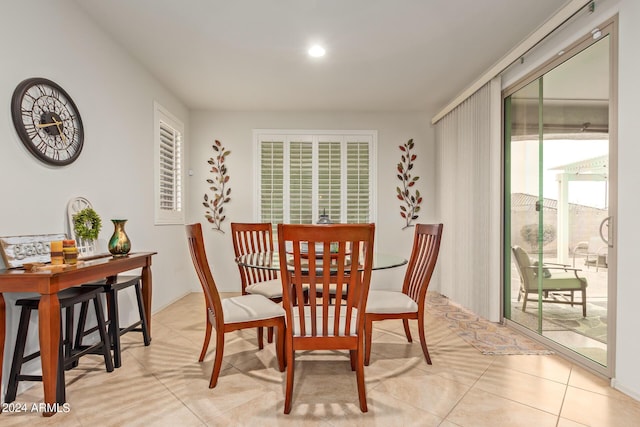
point(201, 264)
point(424, 254)
point(320, 261)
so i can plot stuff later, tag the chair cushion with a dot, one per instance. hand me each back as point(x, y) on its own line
point(307, 321)
point(563, 281)
point(390, 302)
point(246, 308)
point(268, 288)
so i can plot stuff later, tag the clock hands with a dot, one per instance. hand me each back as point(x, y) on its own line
point(64, 139)
point(55, 123)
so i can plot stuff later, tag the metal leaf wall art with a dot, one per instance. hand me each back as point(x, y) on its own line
point(219, 186)
point(410, 201)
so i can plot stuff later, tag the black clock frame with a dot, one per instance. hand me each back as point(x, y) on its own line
point(16, 114)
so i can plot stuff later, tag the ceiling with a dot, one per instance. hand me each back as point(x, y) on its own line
point(382, 55)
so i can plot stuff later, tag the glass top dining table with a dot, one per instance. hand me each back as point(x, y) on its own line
point(271, 261)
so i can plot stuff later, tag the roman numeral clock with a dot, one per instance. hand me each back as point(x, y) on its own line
point(47, 121)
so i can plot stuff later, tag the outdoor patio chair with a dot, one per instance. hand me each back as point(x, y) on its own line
point(595, 252)
point(559, 281)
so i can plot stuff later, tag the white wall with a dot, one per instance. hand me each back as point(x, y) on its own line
point(627, 374)
point(628, 321)
point(54, 39)
point(234, 130)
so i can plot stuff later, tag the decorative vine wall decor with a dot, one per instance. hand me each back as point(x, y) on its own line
point(411, 202)
point(215, 204)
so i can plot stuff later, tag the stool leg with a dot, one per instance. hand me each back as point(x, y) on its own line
point(114, 327)
point(143, 315)
point(60, 381)
point(67, 339)
point(18, 354)
point(82, 321)
point(104, 336)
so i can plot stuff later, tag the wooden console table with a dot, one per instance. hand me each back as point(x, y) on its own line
point(48, 283)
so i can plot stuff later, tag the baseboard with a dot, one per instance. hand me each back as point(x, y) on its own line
point(622, 388)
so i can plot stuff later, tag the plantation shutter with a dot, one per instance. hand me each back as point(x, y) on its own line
point(170, 168)
point(303, 175)
point(272, 182)
point(329, 179)
point(300, 183)
point(358, 185)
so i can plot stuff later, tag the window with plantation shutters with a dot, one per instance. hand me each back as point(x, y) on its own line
point(304, 174)
point(168, 168)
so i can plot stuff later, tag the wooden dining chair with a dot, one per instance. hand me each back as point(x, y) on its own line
point(409, 302)
point(231, 314)
point(253, 238)
point(322, 259)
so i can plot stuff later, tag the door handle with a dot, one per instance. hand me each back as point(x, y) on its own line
point(609, 239)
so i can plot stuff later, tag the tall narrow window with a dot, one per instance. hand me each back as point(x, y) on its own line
point(169, 191)
point(304, 174)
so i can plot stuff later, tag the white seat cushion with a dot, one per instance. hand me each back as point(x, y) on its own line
point(268, 288)
point(307, 321)
point(246, 308)
point(382, 302)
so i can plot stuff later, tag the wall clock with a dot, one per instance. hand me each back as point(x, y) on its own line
point(47, 121)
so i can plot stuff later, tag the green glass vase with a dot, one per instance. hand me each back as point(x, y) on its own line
point(119, 244)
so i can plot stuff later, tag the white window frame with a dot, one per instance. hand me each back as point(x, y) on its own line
point(165, 216)
point(313, 136)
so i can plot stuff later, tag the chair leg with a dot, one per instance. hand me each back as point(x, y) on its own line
point(217, 364)
point(207, 338)
point(423, 341)
point(368, 330)
point(352, 359)
point(407, 331)
point(572, 292)
point(18, 354)
point(260, 338)
point(290, 366)
point(280, 345)
point(362, 393)
point(584, 302)
point(524, 301)
point(270, 334)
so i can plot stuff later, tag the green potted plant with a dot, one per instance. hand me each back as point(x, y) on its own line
point(86, 226)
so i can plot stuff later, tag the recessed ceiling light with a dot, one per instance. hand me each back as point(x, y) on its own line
point(316, 51)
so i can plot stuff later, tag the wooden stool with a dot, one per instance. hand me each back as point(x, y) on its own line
point(68, 355)
point(111, 288)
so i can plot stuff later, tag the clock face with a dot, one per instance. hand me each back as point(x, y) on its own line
point(47, 121)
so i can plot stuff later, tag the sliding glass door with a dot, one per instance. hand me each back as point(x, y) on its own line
point(558, 233)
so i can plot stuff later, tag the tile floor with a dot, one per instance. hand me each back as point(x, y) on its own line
point(164, 385)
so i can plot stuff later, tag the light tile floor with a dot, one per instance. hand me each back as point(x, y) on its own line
point(164, 385)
